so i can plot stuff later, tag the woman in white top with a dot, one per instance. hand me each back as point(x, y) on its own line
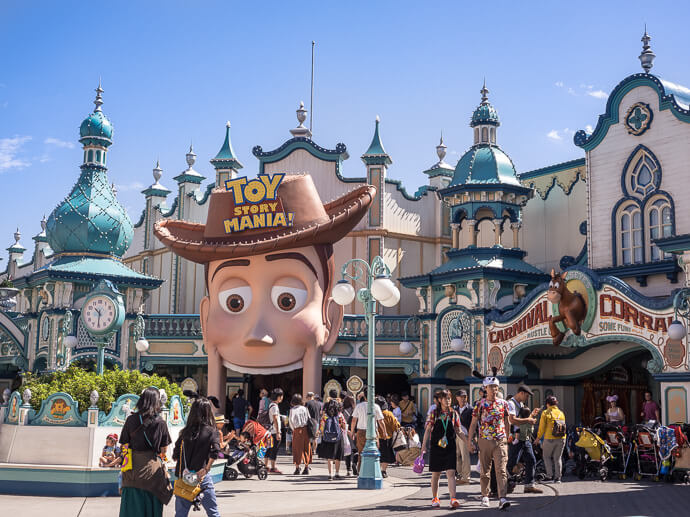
point(301, 446)
point(614, 415)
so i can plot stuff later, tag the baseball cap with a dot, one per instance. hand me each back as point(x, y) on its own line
point(490, 380)
point(526, 389)
point(113, 436)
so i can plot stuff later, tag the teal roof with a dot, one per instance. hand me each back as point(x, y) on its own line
point(485, 114)
point(376, 153)
point(87, 267)
point(484, 163)
point(498, 262)
point(90, 219)
point(96, 129)
point(226, 159)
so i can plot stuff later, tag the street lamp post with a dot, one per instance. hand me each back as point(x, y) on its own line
point(378, 287)
point(681, 309)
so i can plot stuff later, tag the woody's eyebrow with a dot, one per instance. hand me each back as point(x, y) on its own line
point(230, 263)
point(294, 256)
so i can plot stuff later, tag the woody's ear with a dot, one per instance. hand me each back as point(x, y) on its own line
point(204, 307)
point(335, 314)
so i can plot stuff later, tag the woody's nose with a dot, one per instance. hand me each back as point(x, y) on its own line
point(260, 335)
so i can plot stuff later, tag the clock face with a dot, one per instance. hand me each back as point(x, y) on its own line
point(99, 313)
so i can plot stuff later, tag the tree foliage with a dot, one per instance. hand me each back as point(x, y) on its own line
point(79, 383)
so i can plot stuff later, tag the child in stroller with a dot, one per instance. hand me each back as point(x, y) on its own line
point(246, 453)
point(591, 453)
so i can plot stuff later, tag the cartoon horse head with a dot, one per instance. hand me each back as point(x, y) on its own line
point(556, 287)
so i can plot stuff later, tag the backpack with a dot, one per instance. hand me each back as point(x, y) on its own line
point(559, 429)
point(466, 417)
point(331, 431)
point(263, 418)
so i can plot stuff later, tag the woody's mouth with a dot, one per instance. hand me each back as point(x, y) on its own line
point(264, 370)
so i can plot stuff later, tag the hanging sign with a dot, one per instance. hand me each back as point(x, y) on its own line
point(256, 204)
point(354, 384)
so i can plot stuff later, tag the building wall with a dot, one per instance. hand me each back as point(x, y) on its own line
point(668, 138)
point(550, 227)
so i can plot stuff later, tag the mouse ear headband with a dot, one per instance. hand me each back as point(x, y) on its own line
point(612, 398)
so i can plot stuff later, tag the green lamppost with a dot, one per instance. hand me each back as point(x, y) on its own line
point(377, 287)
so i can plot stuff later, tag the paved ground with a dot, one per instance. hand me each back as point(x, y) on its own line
point(405, 494)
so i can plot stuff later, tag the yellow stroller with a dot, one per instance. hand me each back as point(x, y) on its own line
point(591, 453)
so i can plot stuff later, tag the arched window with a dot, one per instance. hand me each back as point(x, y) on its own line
point(90, 155)
point(630, 235)
point(659, 222)
point(485, 135)
point(476, 135)
point(642, 174)
point(493, 135)
point(98, 156)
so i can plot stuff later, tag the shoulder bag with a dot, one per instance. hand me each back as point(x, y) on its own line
point(187, 486)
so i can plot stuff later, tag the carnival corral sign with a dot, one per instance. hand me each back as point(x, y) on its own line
point(611, 315)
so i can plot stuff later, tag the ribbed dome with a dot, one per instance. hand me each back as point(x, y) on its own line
point(96, 129)
point(485, 114)
point(90, 219)
point(484, 163)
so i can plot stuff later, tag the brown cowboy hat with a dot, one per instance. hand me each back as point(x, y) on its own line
point(313, 223)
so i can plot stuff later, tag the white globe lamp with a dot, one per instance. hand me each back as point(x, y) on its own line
point(406, 347)
point(70, 341)
point(142, 345)
point(393, 299)
point(343, 293)
point(457, 344)
point(676, 330)
point(382, 288)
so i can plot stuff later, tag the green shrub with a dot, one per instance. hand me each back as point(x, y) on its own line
point(79, 383)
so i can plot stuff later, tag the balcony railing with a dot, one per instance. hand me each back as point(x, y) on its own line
point(353, 327)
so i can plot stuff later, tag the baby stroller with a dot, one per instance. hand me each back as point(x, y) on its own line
point(246, 457)
point(619, 447)
point(591, 454)
point(681, 455)
point(646, 452)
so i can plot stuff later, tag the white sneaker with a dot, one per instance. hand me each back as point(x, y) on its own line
point(485, 502)
point(504, 504)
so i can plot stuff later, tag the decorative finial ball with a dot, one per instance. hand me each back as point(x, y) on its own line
point(26, 396)
point(676, 330)
point(378, 119)
point(93, 397)
point(17, 236)
point(227, 124)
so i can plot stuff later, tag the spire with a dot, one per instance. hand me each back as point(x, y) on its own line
point(189, 175)
point(376, 154)
point(647, 56)
point(156, 189)
point(99, 100)
point(226, 159)
point(300, 130)
point(485, 94)
point(41, 237)
point(16, 247)
point(441, 150)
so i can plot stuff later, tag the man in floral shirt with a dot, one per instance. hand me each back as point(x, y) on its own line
point(491, 415)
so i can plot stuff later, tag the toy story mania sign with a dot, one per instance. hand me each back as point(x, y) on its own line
point(256, 204)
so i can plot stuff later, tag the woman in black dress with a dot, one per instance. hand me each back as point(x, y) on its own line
point(441, 427)
point(331, 430)
point(145, 487)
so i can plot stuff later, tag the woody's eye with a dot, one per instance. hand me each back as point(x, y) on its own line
point(288, 299)
point(236, 300)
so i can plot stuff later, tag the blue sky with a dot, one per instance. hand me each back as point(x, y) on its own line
point(174, 72)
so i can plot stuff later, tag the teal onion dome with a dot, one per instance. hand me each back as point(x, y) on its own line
point(96, 129)
point(90, 219)
point(485, 114)
point(485, 163)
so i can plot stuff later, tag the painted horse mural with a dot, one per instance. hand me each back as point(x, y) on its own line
point(571, 308)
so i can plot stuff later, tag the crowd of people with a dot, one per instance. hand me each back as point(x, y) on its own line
point(503, 431)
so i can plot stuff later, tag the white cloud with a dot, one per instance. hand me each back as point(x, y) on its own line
point(572, 92)
point(58, 143)
point(598, 94)
point(559, 84)
point(134, 185)
point(9, 151)
point(553, 135)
